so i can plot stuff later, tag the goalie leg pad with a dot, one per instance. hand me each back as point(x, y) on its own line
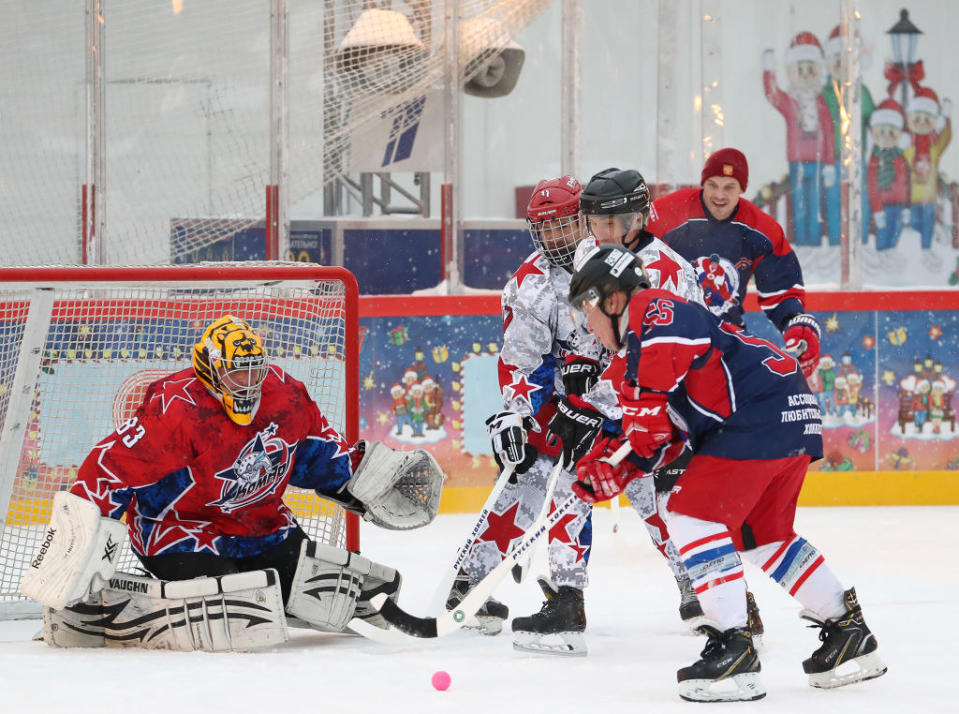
point(381, 579)
point(227, 613)
point(399, 489)
point(327, 586)
point(79, 551)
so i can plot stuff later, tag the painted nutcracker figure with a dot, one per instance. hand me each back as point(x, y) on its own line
point(931, 131)
point(810, 146)
point(887, 176)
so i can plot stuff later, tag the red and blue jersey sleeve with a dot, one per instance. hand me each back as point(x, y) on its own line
point(143, 450)
point(732, 394)
point(776, 269)
point(324, 460)
point(673, 210)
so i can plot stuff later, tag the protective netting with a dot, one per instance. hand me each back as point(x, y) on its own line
point(176, 125)
point(76, 358)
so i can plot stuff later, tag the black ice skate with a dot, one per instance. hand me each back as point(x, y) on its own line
point(754, 621)
point(488, 619)
point(848, 651)
point(559, 625)
point(727, 672)
point(690, 611)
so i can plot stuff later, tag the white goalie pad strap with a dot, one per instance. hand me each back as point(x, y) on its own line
point(79, 550)
point(327, 585)
point(227, 613)
point(399, 489)
point(381, 579)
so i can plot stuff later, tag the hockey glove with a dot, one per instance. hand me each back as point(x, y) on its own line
point(576, 424)
point(597, 480)
point(646, 423)
point(508, 432)
point(802, 341)
point(579, 374)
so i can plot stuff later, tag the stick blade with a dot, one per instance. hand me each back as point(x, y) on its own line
point(403, 621)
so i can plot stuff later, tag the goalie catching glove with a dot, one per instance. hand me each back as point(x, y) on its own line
point(508, 431)
point(398, 490)
point(596, 479)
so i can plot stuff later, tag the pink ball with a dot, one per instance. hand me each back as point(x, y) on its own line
point(441, 680)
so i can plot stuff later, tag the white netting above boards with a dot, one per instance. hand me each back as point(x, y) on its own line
point(161, 143)
point(80, 346)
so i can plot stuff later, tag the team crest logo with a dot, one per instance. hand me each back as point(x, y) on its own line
point(719, 280)
point(257, 472)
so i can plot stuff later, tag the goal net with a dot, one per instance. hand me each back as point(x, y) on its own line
point(79, 346)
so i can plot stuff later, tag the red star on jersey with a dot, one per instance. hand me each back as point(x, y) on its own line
point(560, 532)
point(173, 390)
point(105, 484)
point(328, 433)
point(522, 388)
point(526, 269)
point(668, 269)
point(502, 529)
point(205, 538)
point(508, 317)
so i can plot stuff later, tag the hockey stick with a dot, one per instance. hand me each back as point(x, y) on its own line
point(521, 569)
point(438, 602)
point(455, 619)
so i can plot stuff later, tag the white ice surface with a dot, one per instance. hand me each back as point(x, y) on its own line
point(902, 561)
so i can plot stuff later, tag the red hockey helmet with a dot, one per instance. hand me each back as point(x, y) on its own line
point(554, 221)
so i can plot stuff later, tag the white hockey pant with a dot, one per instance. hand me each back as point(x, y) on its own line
point(569, 540)
point(650, 506)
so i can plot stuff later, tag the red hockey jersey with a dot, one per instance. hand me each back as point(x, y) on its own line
point(191, 480)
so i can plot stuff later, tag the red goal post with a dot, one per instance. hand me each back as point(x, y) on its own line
point(79, 345)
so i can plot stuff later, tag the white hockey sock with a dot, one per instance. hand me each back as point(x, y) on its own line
point(714, 568)
point(801, 570)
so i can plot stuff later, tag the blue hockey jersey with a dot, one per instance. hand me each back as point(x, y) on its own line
point(725, 254)
point(732, 394)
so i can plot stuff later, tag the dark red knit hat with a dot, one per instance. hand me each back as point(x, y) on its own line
point(727, 162)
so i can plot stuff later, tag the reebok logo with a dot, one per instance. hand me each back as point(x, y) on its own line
point(44, 547)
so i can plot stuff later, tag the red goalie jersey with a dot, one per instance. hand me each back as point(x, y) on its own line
point(189, 479)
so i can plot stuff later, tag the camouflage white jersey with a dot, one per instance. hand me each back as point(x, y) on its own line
point(668, 270)
point(538, 332)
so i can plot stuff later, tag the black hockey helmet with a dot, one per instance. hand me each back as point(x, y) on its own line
point(614, 191)
point(600, 273)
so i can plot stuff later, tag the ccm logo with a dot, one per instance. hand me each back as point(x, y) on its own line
point(642, 411)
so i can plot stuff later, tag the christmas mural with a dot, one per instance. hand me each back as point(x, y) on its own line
point(430, 381)
point(885, 384)
point(908, 204)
